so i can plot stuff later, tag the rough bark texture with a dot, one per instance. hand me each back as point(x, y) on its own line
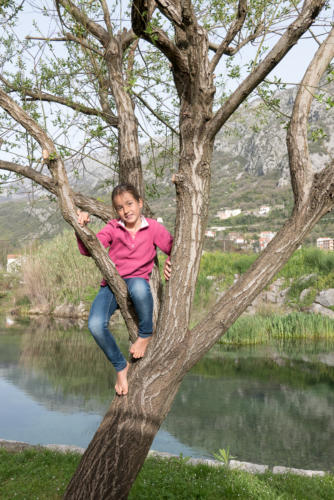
point(118, 449)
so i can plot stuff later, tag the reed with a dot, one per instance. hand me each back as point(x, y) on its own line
point(56, 273)
point(259, 328)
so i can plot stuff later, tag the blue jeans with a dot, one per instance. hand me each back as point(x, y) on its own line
point(103, 308)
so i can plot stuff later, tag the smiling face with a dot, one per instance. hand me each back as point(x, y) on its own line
point(128, 209)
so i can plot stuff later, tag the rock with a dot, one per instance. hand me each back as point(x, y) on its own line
point(66, 448)
point(248, 467)
point(304, 294)
point(319, 309)
point(307, 277)
point(70, 311)
point(299, 472)
point(325, 297)
point(39, 310)
point(64, 311)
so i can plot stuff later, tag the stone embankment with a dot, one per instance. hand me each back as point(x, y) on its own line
point(276, 297)
point(61, 311)
point(17, 446)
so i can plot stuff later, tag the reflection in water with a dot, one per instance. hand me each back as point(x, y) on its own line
point(271, 404)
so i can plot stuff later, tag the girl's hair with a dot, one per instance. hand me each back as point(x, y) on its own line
point(125, 188)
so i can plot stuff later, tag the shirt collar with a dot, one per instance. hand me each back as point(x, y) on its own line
point(144, 223)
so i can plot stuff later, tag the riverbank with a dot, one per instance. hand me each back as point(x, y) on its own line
point(55, 280)
point(44, 474)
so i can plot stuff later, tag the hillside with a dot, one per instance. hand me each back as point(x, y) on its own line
point(250, 169)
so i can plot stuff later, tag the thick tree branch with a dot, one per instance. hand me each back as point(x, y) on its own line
point(94, 207)
point(127, 37)
point(94, 28)
point(310, 10)
point(300, 165)
point(231, 34)
point(172, 10)
point(21, 117)
point(141, 25)
point(314, 196)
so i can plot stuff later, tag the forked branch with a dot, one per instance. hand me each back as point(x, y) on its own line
point(295, 30)
point(231, 34)
point(314, 197)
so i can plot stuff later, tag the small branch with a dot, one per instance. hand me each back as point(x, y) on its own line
point(231, 34)
point(68, 37)
point(155, 113)
point(38, 95)
point(106, 16)
point(94, 207)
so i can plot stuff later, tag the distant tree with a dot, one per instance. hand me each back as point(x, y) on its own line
point(105, 73)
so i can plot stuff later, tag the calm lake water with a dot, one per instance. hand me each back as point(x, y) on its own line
point(271, 405)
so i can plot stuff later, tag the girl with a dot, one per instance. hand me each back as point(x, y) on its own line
point(132, 240)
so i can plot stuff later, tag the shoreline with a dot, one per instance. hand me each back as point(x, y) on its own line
point(18, 446)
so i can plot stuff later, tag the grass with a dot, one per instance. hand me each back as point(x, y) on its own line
point(258, 329)
point(44, 474)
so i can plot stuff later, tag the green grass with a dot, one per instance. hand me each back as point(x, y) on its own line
point(258, 329)
point(44, 474)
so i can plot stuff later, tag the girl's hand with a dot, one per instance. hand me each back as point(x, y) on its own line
point(83, 218)
point(167, 269)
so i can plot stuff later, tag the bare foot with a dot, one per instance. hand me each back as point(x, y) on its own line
point(138, 348)
point(121, 386)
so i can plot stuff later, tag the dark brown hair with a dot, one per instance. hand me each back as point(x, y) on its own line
point(125, 188)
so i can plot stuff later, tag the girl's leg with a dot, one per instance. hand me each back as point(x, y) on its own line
point(103, 307)
point(141, 296)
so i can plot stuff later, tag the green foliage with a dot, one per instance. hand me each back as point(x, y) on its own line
point(224, 456)
point(44, 474)
point(262, 328)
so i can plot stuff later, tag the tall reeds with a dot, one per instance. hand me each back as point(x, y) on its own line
point(56, 273)
point(258, 329)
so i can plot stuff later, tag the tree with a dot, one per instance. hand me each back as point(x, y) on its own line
point(119, 447)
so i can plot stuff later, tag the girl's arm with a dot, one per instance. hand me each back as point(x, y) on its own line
point(105, 235)
point(164, 240)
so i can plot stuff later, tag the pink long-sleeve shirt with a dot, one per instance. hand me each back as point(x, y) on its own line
point(133, 257)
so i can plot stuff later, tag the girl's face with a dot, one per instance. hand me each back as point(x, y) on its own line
point(128, 209)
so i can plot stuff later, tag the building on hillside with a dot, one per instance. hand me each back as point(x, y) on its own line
point(264, 210)
point(265, 238)
point(325, 243)
point(13, 262)
point(236, 237)
point(226, 214)
point(210, 234)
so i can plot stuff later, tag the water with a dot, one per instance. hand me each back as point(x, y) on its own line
point(272, 405)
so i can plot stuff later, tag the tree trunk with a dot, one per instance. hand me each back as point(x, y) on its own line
point(119, 447)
